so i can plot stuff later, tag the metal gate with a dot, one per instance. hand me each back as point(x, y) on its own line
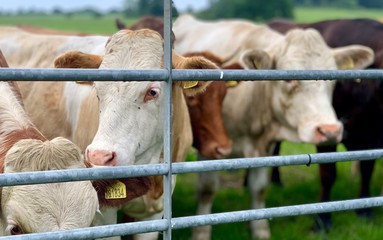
point(167, 224)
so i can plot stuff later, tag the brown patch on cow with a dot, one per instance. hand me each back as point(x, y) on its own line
point(77, 59)
point(88, 121)
point(13, 85)
point(9, 139)
point(50, 102)
point(135, 187)
point(3, 62)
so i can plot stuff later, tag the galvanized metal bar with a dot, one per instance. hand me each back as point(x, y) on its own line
point(209, 74)
point(210, 219)
point(167, 234)
point(38, 74)
point(302, 159)
point(269, 213)
point(25, 178)
point(97, 232)
point(52, 74)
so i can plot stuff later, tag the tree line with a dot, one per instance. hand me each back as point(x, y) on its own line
point(258, 10)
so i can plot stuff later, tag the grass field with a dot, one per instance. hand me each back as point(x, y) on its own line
point(301, 183)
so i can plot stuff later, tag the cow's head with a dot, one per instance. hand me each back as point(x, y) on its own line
point(46, 207)
point(304, 107)
point(131, 113)
point(209, 134)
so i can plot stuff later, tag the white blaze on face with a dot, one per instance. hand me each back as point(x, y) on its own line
point(131, 113)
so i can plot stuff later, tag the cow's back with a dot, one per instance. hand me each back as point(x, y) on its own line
point(26, 50)
point(224, 38)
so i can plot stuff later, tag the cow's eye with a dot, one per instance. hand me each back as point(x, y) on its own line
point(292, 84)
point(15, 230)
point(152, 93)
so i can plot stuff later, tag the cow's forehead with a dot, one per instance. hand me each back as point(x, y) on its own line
point(304, 50)
point(128, 88)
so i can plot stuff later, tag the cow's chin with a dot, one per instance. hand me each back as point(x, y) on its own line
point(135, 187)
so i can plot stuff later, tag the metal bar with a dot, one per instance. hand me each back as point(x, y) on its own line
point(27, 178)
point(50, 74)
point(210, 219)
point(302, 159)
point(168, 118)
point(9, 179)
point(268, 213)
point(97, 232)
point(209, 74)
point(45, 74)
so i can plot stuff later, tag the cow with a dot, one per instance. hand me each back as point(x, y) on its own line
point(43, 207)
point(256, 114)
point(114, 123)
point(151, 22)
point(357, 103)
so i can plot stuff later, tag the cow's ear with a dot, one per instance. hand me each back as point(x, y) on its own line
point(76, 59)
point(192, 87)
point(256, 59)
point(353, 57)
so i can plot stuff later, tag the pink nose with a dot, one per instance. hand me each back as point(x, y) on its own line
point(328, 133)
point(223, 151)
point(101, 157)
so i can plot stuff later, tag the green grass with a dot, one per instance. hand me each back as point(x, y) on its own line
point(301, 183)
point(305, 14)
point(301, 186)
point(77, 23)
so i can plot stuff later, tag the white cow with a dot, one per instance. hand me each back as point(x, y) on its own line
point(258, 113)
point(125, 125)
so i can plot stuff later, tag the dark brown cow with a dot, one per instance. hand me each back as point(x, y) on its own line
point(359, 104)
point(151, 22)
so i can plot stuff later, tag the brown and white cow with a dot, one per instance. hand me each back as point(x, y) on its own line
point(205, 109)
point(128, 116)
point(43, 207)
point(258, 113)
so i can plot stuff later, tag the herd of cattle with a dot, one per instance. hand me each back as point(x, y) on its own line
point(121, 123)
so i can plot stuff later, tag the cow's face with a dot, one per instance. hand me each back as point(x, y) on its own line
point(46, 207)
point(209, 134)
point(304, 107)
point(131, 113)
point(131, 124)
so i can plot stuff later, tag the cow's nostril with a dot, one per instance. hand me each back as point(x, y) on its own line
point(223, 151)
point(112, 159)
point(328, 133)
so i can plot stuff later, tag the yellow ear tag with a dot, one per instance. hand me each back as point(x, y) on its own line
point(231, 83)
point(84, 82)
point(189, 84)
point(116, 191)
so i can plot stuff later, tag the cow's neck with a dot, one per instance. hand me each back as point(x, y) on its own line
point(181, 129)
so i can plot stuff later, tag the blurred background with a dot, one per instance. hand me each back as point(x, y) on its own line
point(97, 16)
point(301, 183)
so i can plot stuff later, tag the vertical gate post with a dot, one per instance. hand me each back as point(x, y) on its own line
point(167, 118)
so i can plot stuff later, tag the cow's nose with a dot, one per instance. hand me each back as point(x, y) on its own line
point(101, 157)
point(223, 150)
point(328, 133)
